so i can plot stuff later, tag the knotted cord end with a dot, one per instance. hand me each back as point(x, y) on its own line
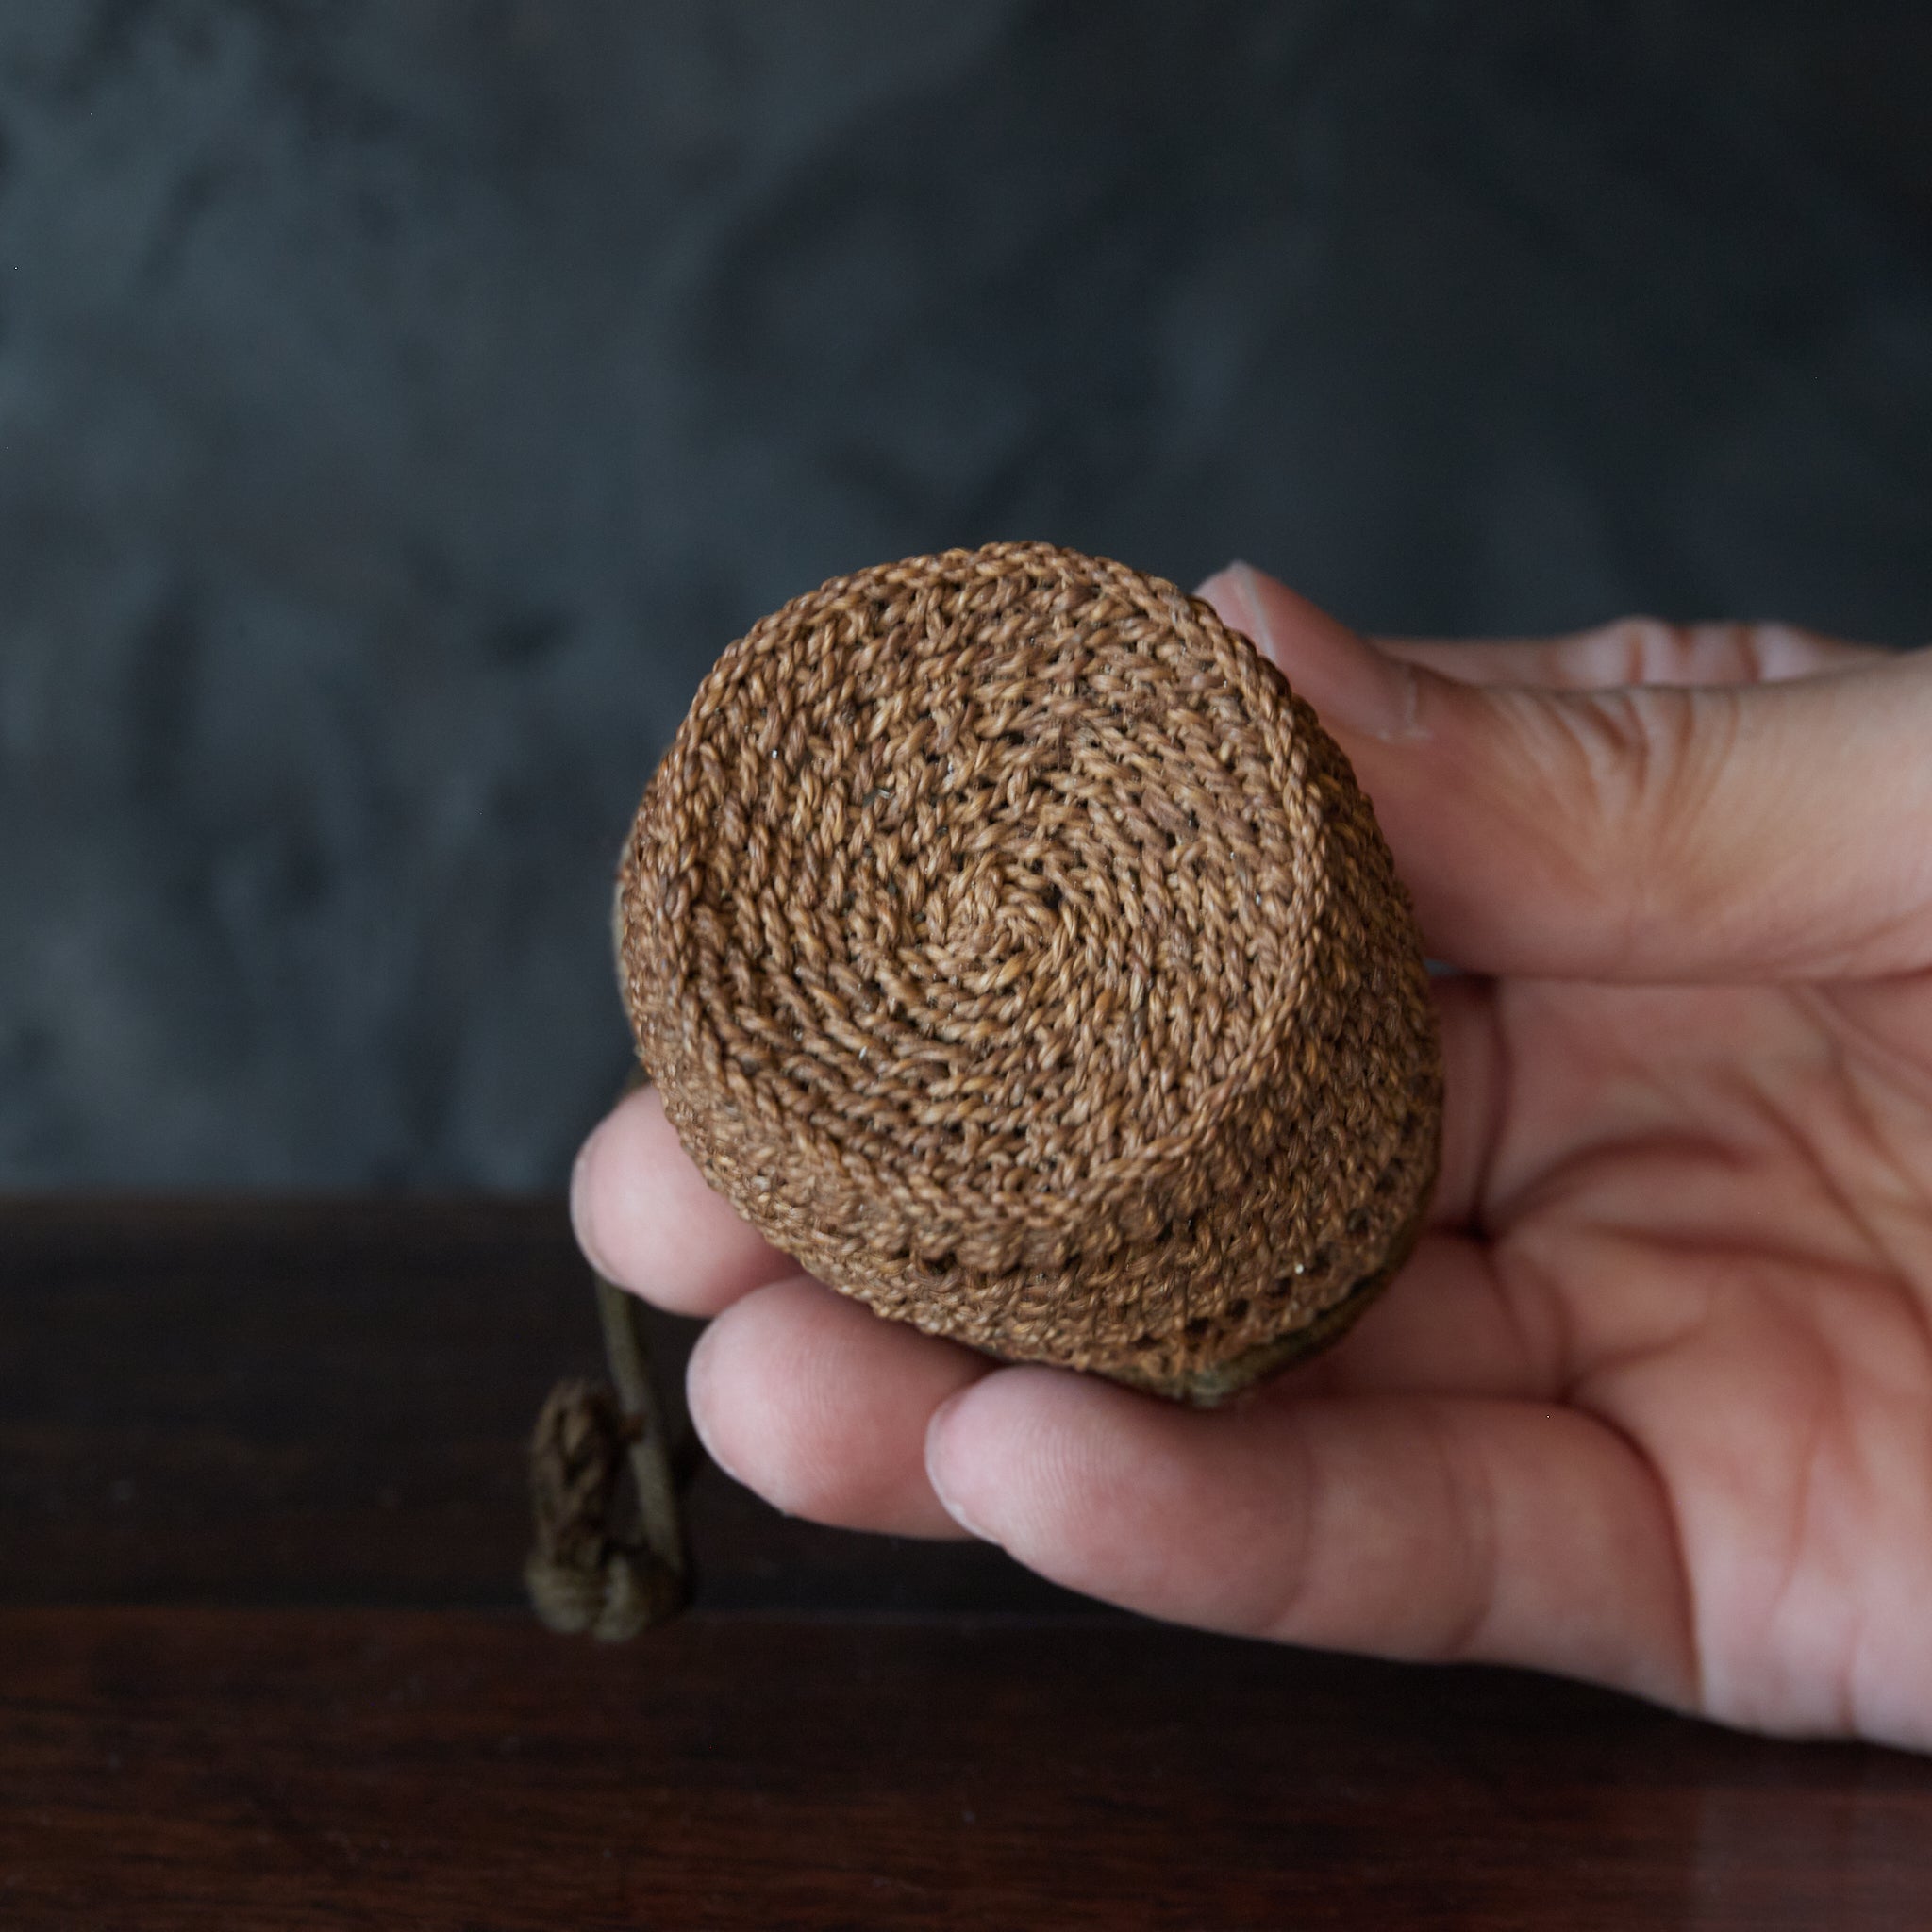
point(597, 1565)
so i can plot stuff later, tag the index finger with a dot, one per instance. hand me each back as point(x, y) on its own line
point(646, 1219)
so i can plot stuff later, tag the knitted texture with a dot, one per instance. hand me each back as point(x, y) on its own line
point(1014, 949)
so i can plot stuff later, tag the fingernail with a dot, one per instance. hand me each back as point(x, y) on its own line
point(583, 1223)
point(1349, 683)
point(935, 1429)
point(1229, 590)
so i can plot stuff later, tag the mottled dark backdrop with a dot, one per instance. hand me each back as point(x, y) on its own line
point(401, 403)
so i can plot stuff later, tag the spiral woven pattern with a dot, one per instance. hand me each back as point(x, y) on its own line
point(1015, 950)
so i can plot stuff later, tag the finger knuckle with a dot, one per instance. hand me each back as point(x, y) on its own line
point(1642, 770)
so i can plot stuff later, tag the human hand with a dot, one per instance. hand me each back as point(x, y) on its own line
point(1652, 1402)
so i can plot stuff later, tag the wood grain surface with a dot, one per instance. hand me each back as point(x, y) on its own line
point(263, 1663)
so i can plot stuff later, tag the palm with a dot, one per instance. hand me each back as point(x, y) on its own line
point(1703, 1219)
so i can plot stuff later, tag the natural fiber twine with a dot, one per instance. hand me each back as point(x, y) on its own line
point(608, 1553)
point(1015, 950)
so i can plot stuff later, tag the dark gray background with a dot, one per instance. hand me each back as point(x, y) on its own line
point(401, 403)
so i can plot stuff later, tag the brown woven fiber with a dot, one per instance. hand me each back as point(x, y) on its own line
point(1015, 950)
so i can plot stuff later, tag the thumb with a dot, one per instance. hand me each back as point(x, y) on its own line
point(1731, 832)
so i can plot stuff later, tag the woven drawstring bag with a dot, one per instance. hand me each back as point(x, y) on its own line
point(1013, 948)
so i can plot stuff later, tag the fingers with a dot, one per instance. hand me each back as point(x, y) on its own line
point(1641, 650)
point(646, 1220)
point(823, 1408)
point(1409, 1527)
point(1649, 834)
point(791, 1391)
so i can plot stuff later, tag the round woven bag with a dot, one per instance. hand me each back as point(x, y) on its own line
point(1015, 950)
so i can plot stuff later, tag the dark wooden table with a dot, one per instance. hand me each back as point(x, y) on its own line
point(264, 1663)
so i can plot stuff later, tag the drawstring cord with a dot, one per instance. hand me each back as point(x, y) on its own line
point(606, 1560)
